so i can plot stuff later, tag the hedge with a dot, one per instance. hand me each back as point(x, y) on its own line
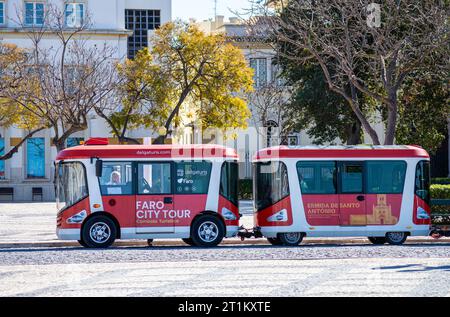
point(440, 214)
point(245, 190)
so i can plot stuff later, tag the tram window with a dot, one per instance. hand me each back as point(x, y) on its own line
point(422, 182)
point(117, 178)
point(352, 178)
point(229, 181)
point(385, 177)
point(272, 183)
point(154, 178)
point(193, 177)
point(317, 177)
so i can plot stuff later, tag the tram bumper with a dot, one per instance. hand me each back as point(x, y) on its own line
point(68, 234)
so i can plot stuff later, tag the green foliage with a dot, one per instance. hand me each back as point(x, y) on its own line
point(186, 74)
point(440, 214)
point(440, 191)
point(423, 112)
point(245, 190)
point(325, 115)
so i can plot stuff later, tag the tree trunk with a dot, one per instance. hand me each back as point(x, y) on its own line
point(365, 124)
point(391, 124)
point(160, 140)
point(127, 140)
point(60, 145)
point(354, 133)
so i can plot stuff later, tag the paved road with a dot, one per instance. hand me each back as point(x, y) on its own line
point(348, 277)
point(358, 270)
point(229, 270)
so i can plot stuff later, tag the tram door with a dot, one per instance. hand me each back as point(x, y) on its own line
point(352, 205)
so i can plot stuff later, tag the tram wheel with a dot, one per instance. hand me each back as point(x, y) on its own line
point(377, 240)
point(82, 243)
point(291, 239)
point(396, 238)
point(207, 231)
point(188, 241)
point(99, 232)
point(274, 241)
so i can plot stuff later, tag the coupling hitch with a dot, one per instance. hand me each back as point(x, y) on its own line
point(440, 231)
point(249, 233)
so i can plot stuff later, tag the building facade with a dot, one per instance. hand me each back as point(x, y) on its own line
point(124, 25)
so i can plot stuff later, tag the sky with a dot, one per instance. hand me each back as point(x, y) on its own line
point(204, 9)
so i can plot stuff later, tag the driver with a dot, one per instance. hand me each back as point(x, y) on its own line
point(115, 178)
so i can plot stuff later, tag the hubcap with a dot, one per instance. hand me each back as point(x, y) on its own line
point(208, 231)
point(396, 236)
point(292, 237)
point(100, 232)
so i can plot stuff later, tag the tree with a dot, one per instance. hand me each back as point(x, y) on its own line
point(324, 114)
point(186, 68)
point(392, 41)
point(268, 105)
point(142, 99)
point(62, 84)
point(424, 112)
point(13, 61)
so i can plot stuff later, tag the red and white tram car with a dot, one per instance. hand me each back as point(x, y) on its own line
point(380, 192)
point(107, 192)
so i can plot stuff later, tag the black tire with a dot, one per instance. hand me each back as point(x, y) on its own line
point(93, 227)
point(396, 238)
point(188, 241)
point(274, 241)
point(377, 240)
point(81, 242)
point(207, 239)
point(291, 239)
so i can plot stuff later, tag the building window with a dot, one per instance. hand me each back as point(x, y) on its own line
point(273, 138)
point(71, 142)
point(2, 12)
point(140, 22)
point(36, 158)
point(2, 163)
point(259, 66)
point(74, 13)
point(34, 13)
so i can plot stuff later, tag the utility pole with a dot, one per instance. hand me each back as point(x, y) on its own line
point(215, 9)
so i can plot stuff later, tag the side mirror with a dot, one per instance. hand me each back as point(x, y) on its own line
point(99, 168)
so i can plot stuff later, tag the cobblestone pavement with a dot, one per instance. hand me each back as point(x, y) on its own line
point(344, 277)
point(228, 270)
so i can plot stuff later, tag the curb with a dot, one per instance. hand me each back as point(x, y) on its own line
point(248, 242)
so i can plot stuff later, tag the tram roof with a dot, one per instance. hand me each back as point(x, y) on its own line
point(352, 151)
point(170, 152)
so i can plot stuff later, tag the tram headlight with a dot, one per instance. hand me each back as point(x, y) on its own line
point(280, 216)
point(422, 214)
point(228, 214)
point(77, 218)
